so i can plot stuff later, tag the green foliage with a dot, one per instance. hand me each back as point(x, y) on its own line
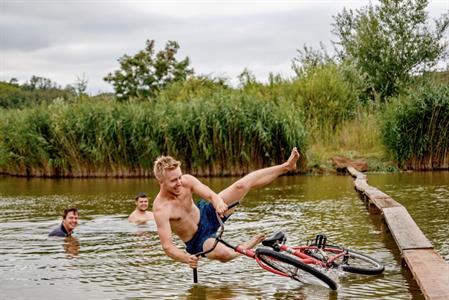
point(326, 98)
point(309, 59)
point(37, 91)
point(145, 73)
point(193, 87)
point(390, 42)
point(227, 133)
point(234, 133)
point(416, 127)
point(277, 89)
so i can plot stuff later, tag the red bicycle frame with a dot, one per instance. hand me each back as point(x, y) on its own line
point(307, 259)
point(239, 249)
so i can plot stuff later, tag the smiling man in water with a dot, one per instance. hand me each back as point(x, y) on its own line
point(70, 219)
point(175, 211)
point(141, 215)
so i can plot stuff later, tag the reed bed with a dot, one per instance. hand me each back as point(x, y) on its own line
point(227, 134)
point(218, 130)
point(416, 128)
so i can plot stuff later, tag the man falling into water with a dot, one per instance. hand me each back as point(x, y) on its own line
point(175, 211)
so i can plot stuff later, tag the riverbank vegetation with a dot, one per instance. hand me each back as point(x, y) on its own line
point(416, 127)
point(379, 98)
point(228, 134)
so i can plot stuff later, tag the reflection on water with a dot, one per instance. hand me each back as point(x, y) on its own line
point(108, 258)
point(71, 246)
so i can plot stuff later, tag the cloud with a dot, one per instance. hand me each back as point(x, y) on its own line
point(64, 39)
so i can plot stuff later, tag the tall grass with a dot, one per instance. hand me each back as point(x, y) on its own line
point(218, 130)
point(227, 134)
point(327, 99)
point(416, 128)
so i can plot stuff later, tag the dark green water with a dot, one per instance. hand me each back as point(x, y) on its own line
point(111, 259)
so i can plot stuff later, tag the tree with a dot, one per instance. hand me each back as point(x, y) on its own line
point(145, 73)
point(309, 59)
point(80, 85)
point(391, 42)
point(40, 83)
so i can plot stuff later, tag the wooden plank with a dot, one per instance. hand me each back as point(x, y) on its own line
point(430, 271)
point(385, 202)
point(355, 173)
point(361, 185)
point(372, 193)
point(404, 230)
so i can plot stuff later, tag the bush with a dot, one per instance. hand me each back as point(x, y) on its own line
point(327, 98)
point(416, 128)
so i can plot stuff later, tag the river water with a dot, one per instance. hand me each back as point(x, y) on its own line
point(111, 259)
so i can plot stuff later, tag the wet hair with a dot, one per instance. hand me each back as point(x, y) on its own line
point(164, 163)
point(141, 195)
point(67, 210)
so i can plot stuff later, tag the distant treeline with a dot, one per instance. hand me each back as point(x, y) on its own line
point(39, 90)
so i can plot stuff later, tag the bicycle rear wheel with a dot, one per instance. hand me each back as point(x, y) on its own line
point(294, 268)
point(356, 262)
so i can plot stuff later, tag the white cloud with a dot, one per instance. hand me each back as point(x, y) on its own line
point(64, 39)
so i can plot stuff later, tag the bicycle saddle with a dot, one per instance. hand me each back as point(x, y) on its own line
point(278, 237)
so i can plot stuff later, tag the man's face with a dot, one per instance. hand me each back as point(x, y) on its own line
point(142, 203)
point(172, 181)
point(71, 220)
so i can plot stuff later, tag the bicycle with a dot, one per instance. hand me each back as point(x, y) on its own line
point(319, 254)
point(300, 263)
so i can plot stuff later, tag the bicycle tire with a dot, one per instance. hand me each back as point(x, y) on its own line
point(356, 262)
point(292, 267)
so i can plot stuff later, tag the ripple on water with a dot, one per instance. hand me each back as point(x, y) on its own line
point(110, 259)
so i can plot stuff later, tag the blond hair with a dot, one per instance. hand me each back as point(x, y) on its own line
point(163, 163)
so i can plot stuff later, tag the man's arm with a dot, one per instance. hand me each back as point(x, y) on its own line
point(206, 193)
point(165, 236)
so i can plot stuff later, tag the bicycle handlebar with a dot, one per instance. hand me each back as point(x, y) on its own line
point(217, 239)
point(219, 231)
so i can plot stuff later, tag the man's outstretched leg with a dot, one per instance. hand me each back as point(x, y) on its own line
point(237, 191)
point(224, 253)
point(258, 178)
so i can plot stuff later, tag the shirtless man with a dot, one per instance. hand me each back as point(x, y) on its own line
point(175, 211)
point(140, 215)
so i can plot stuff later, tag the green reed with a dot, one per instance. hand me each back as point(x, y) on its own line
point(227, 134)
point(416, 128)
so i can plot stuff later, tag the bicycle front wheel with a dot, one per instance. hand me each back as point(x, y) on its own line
point(294, 268)
point(356, 262)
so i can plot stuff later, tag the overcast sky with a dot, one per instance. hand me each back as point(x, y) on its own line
point(67, 39)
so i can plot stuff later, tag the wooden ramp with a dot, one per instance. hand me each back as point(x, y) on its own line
point(429, 269)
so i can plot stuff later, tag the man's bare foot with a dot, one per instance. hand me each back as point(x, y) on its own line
point(254, 241)
point(291, 162)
